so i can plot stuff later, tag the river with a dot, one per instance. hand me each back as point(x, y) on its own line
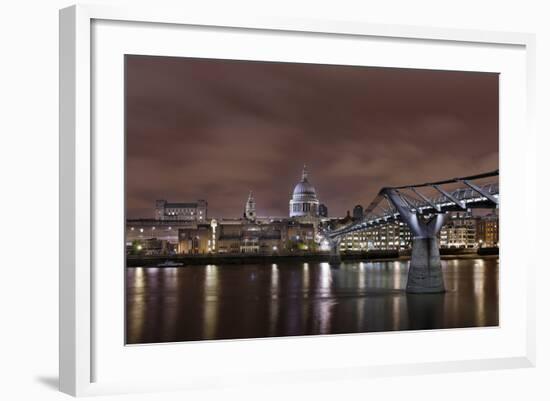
point(295, 298)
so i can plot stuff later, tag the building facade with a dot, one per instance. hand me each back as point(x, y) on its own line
point(229, 236)
point(150, 247)
point(190, 211)
point(142, 229)
point(232, 236)
point(304, 204)
point(460, 231)
point(250, 208)
point(300, 236)
point(195, 240)
point(487, 231)
point(391, 236)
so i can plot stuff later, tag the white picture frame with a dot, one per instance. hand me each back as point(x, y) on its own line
point(78, 313)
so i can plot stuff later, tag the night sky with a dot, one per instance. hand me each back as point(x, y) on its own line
point(216, 129)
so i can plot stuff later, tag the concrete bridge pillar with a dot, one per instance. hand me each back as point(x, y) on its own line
point(425, 274)
point(334, 257)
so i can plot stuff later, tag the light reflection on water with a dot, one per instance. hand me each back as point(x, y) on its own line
point(246, 301)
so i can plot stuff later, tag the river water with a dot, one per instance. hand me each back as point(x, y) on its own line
point(291, 299)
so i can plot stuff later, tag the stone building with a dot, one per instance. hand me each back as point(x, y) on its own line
point(191, 211)
point(300, 236)
point(260, 238)
point(243, 236)
point(304, 205)
point(229, 234)
point(250, 208)
point(487, 231)
point(195, 240)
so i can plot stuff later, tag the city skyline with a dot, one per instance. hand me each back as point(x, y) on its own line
point(191, 134)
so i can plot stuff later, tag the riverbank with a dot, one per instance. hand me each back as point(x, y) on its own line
point(141, 261)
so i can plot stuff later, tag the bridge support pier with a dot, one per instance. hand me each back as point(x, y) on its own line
point(425, 275)
point(334, 258)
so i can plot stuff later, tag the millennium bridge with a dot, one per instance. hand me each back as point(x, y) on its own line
point(424, 208)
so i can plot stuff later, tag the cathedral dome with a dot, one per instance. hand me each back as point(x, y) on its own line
point(304, 200)
point(303, 189)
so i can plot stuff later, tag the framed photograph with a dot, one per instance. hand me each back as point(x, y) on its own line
point(271, 200)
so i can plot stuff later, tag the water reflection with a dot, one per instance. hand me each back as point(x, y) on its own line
point(244, 301)
point(211, 294)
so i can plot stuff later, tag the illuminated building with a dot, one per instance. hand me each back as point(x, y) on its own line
point(250, 208)
point(460, 231)
point(141, 229)
point(195, 240)
point(260, 238)
point(250, 234)
point(192, 211)
point(229, 235)
point(149, 247)
point(241, 236)
point(301, 236)
point(390, 236)
point(487, 231)
point(304, 203)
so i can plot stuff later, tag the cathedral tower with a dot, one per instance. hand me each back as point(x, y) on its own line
point(250, 208)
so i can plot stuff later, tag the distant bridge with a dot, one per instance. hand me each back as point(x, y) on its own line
point(424, 207)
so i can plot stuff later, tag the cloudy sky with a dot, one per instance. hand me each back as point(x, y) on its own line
point(215, 129)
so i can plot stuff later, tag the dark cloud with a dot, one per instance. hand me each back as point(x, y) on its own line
point(215, 129)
